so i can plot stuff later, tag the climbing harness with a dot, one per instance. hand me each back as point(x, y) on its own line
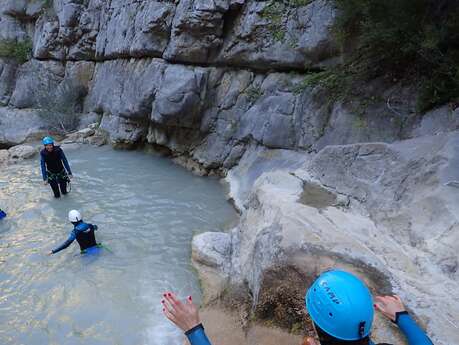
point(98, 245)
point(60, 176)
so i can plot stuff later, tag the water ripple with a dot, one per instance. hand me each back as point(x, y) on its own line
point(147, 210)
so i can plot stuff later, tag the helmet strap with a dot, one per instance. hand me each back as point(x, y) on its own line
point(361, 329)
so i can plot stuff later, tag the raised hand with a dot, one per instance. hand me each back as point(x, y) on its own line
point(184, 315)
point(389, 306)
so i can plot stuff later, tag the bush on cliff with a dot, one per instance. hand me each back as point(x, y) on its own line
point(20, 51)
point(411, 40)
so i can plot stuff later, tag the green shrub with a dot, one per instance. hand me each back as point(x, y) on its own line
point(20, 51)
point(253, 93)
point(276, 12)
point(415, 40)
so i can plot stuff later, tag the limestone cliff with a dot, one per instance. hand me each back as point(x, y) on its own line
point(219, 84)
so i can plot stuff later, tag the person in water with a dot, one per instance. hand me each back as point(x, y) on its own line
point(55, 168)
point(82, 232)
point(2, 214)
point(339, 304)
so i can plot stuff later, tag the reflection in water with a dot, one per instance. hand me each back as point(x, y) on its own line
point(147, 210)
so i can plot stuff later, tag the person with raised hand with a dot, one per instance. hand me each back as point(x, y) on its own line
point(342, 309)
point(339, 304)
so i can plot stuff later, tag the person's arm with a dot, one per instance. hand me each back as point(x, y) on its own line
point(186, 317)
point(392, 307)
point(66, 163)
point(197, 336)
point(413, 333)
point(67, 243)
point(93, 227)
point(43, 167)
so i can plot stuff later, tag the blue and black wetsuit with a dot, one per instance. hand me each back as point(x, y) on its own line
point(413, 333)
point(410, 329)
point(54, 169)
point(83, 233)
point(197, 336)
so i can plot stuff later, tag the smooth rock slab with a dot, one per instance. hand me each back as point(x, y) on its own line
point(22, 152)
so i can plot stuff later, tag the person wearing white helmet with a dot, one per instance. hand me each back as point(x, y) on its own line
point(82, 232)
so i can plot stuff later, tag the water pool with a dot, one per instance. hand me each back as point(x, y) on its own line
point(147, 210)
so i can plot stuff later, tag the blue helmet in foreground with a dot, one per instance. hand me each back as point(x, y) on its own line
point(48, 141)
point(341, 305)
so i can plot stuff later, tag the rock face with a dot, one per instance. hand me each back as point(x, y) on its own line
point(398, 231)
point(220, 85)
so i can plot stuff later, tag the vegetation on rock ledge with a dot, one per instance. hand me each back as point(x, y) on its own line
point(414, 41)
point(21, 51)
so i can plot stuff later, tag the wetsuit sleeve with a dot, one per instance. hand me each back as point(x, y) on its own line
point(93, 227)
point(43, 167)
point(197, 336)
point(413, 333)
point(66, 163)
point(67, 243)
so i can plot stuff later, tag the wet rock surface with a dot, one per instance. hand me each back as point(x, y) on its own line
point(401, 207)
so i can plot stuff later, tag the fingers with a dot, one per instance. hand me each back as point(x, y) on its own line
point(309, 341)
point(169, 315)
point(189, 301)
point(173, 301)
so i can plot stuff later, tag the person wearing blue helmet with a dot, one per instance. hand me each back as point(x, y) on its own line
point(339, 304)
point(55, 168)
point(342, 309)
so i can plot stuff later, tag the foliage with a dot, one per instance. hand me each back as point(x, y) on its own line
point(416, 40)
point(21, 51)
point(253, 93)
point(276, 12)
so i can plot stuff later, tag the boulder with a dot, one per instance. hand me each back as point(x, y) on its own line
point(4, 156)
point(22, 152)
point(17, 126)
point(212, 249)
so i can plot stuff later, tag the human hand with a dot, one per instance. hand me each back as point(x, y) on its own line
point(45, 183)
point(184, 315)
point(70, 176)
point(50, 253)
point(309, 341)
point(389, 306)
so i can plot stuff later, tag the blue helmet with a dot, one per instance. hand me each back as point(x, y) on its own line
point(341, 305)
point(48, 141)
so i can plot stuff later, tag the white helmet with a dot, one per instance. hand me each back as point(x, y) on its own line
point(74, 216)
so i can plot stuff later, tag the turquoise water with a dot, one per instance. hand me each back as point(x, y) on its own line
point(147, 210)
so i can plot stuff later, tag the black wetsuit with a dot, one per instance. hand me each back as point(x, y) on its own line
point(54, 169)
point(83, 233)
